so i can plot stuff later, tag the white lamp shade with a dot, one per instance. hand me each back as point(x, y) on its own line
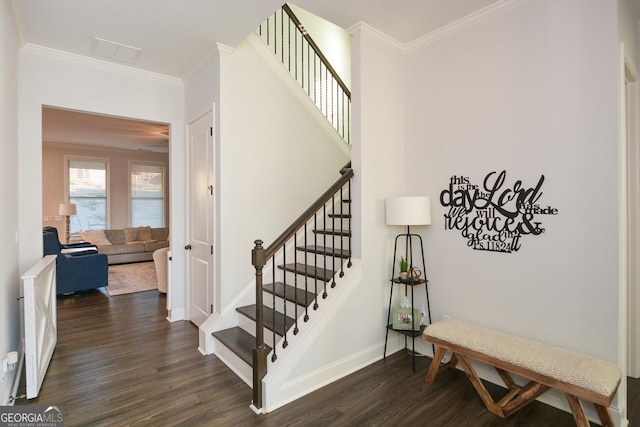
point(67, 209)
point(408, 211)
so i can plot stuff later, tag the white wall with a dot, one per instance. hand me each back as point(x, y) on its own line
point(264, 141)
point(9, 274)
point(532, 91)
point(56, 79)
point(274, 161)
point(378, 159)
point(202, 87)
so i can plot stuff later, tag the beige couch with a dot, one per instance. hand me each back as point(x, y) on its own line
point(126, 245)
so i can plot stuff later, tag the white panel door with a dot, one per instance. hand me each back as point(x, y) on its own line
point(200, 233)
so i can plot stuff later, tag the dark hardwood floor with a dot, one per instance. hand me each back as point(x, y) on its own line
point(119, 362)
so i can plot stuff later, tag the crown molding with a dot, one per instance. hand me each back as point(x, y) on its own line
point(223, 48)
point(463, 23)
point(16, 16)
point(367, 30)
point(98, 64)
point(220, 49)
point(448, 30)
point(202, 63)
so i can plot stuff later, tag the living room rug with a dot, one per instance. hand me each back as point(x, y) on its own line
point(129, 278)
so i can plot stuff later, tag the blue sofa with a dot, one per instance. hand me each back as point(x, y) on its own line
point(77, 271)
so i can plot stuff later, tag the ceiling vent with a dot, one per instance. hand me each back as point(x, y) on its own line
point(115, 51)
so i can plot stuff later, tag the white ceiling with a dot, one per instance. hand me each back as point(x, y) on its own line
point(75, 127)
point(176, 36)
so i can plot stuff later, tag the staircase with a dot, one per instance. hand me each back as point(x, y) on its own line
point(302, 271)
point(303, 264)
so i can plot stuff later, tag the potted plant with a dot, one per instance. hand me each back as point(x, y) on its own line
point(404, 268)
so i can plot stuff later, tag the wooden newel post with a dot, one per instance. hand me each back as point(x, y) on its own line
point(258, 259)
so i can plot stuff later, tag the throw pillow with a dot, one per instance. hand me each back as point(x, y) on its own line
point(131, 234)
point(144, 233)
point(160, 233)
point(97, 237)
point(116, 237)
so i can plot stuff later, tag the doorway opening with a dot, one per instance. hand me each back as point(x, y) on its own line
point(113, 171)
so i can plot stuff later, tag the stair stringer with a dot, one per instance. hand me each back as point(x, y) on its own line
point(272, 61)
point(283, 384)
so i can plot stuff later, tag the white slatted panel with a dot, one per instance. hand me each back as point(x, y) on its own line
point(40, 321)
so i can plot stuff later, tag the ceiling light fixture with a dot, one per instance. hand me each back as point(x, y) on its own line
point(115, 51)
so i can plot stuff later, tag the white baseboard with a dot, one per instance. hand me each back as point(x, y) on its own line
point(175, 315)
point(325, 375)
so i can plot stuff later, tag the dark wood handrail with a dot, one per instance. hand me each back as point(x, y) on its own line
point(259, 256)
point(316, 48)
point(309, 213)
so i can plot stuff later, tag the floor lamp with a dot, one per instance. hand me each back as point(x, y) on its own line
point(408, 211)
point(67, 209)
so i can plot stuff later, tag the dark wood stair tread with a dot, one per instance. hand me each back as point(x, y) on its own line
point(282, 324)
point(323, 250)
point(333, 232)
point(294, 295)
point(309, 270)
point(239, 341)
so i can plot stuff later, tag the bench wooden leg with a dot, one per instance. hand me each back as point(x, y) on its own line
point(578, 411)
point(605, 417)
point(480, 388)
point(517, 397)
point(506, 377)
point(524, 396)
point(437, 365)
point(434, 368)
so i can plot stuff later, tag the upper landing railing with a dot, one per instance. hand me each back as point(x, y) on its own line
point(301, 56)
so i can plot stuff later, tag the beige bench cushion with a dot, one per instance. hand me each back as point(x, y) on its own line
point(587, 372)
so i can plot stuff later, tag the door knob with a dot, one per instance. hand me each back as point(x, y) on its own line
point(188, 247)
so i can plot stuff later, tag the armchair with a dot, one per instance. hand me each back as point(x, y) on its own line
point(61, 246)
point(77, 271)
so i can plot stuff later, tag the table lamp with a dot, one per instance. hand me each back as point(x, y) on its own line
point(408, 211)
point(67, 209)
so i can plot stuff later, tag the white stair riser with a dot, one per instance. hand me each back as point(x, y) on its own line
point(234, 362)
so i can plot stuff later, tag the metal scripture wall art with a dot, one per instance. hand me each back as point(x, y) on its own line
point(494, 216)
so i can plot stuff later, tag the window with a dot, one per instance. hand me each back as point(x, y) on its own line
point(147, 195)
point(88, 190)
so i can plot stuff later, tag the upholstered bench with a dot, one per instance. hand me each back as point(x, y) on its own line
point(546, 367)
